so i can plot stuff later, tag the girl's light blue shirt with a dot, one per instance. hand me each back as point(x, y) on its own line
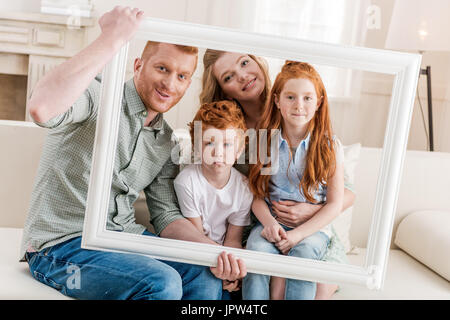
point(284, 183)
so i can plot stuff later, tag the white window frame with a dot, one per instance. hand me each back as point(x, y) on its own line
point(404, 66)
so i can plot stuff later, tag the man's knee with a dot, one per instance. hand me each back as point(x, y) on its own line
point(166, 286)
point(210, 286)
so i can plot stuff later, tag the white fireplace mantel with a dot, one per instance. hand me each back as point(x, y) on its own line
point(33, 43)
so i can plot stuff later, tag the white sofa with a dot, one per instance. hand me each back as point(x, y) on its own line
point(426, 176)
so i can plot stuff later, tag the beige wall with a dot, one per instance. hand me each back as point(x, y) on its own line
point(440, 67)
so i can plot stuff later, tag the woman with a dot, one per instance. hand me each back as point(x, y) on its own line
point(245, 79)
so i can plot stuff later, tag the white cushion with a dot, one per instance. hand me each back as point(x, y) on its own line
point(425, 235)
point(406, 278)
point(343, 222)
point(15, 278)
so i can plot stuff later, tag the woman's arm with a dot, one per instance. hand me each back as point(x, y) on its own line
point(295, 213)
point(329, 211)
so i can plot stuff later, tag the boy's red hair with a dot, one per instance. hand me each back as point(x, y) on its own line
point(220, 115)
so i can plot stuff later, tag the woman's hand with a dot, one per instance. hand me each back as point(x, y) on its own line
point(273, 233)
point(293, 237)
point(229, 268)
point(292, 213)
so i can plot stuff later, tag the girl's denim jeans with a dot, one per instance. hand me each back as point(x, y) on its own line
point(256, 286)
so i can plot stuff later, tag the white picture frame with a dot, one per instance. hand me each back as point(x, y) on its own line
point(404, 66)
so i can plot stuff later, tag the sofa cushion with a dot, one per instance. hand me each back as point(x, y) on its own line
point(406, 279)
point(343, 222)
point(425, 235)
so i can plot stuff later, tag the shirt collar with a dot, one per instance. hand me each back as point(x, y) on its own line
point(135, 106)
point(304, 143)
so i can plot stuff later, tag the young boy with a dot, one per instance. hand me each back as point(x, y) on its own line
point(213, 195)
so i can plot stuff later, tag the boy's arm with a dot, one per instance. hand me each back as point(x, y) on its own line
point(233, 237)
point(58, 90)
point(197, 222)
point(174, 225)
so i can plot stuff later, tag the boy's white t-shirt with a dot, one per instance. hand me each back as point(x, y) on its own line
point(216, 207)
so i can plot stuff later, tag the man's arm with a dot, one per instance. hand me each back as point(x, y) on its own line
point(58, 90)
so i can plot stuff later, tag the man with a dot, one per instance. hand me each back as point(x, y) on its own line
point(66, 101)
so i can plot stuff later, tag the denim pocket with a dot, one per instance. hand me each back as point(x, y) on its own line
point(50, 282)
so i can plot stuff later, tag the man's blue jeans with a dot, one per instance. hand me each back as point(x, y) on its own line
point(256, 286)
point(91, 274)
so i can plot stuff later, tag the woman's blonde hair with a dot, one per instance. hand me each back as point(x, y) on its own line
point(211, 90)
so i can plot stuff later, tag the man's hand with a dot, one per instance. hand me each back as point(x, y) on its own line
point(58, 89)
point(292, 238)
point(273, 232)
point(229, 268)
point(294, 213)
point(121, 23)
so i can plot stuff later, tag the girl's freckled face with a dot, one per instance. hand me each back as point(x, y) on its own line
point(297, 102)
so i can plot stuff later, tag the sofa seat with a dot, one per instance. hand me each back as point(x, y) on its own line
point(15, 278)
point(406, 277)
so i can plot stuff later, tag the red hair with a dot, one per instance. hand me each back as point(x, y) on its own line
point(152, 45)
point(320, 159)
point(220, 115)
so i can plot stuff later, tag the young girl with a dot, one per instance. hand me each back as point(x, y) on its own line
point(310, 169)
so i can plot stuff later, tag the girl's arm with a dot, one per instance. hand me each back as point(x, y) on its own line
point(262, 212)
point(233, 237)
point(273, 231)
point(330, 210)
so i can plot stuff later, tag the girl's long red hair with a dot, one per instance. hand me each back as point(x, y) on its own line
point(320, 159)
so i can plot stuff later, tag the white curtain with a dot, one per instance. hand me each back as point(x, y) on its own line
point(332, 21)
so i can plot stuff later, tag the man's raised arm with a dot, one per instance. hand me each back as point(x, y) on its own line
point(58, 90)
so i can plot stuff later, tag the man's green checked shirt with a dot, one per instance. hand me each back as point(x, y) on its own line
point(142, 162)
